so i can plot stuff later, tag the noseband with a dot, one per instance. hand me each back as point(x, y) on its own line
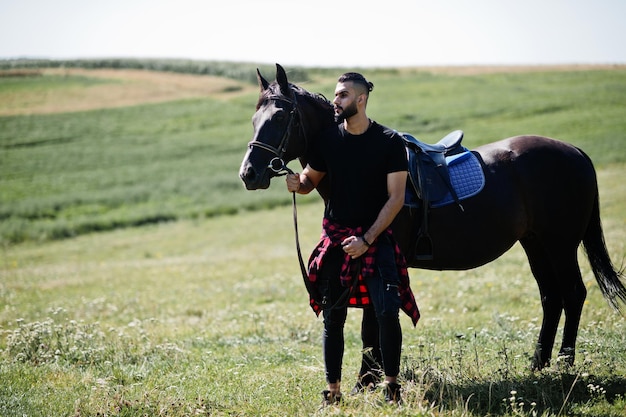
point(277, 164)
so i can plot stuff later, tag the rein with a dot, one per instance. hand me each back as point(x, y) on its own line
point(279, 167)
point(343, 300)
point(284, 170)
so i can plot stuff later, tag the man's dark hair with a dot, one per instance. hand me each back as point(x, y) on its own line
point(357, 78)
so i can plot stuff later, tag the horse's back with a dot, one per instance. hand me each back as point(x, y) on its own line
point(556, 180)
point(539, 162)
point(535, 147)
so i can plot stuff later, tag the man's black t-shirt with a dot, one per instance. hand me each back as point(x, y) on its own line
point(357, 166)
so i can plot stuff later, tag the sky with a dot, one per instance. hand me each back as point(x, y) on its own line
point(324, 33)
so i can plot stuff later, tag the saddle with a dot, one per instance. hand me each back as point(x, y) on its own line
point(430, 181)
point(428, 168)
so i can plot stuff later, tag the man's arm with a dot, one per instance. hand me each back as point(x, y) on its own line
point(396, 186)
point(305, 182)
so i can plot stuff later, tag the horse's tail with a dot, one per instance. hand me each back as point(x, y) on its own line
point(609, 279)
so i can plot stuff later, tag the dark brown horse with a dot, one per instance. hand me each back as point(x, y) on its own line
point(538, 191)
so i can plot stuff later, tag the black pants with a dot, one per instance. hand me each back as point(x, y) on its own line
point(383, 292)
point(372, 361)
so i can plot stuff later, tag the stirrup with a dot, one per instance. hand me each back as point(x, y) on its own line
point(424, 248)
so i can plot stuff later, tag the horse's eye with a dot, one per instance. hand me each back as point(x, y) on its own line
point(279, 117)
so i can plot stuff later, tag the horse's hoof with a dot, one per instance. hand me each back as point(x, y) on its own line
point(538, 365)
point(566, 357)
point(538, 362)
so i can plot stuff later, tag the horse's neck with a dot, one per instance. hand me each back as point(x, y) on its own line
point(316, 120)
point(317, 117)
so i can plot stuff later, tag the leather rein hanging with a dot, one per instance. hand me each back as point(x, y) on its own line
point(280, 168)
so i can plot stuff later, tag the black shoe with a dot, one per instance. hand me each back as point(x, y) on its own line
point(392, 393)
point(366, 382)
point(359, 388)
point(330, 399)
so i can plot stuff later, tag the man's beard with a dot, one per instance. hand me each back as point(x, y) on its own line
point(348, 112)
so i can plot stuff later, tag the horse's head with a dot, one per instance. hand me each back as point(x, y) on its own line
point(275, 124)
point(286, 116)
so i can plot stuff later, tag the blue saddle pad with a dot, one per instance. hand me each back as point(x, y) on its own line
point(466, 176)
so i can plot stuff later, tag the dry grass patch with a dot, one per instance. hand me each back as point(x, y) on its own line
point(113, 88)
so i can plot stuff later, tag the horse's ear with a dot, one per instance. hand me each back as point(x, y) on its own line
point(281, 78)
point(262, 81)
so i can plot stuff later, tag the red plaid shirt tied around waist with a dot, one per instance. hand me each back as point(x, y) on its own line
point(332, 235)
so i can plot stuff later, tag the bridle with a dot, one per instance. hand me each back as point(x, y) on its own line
point(277, 164)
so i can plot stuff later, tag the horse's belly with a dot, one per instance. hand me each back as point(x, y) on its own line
point(464, 239)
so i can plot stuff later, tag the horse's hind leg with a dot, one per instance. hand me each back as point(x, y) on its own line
point(574, 294)
point(561, 288)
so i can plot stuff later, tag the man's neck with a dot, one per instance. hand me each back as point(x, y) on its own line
point(357, 125)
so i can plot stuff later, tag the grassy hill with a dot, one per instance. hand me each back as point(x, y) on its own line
point(89, 150)
point(207, 315)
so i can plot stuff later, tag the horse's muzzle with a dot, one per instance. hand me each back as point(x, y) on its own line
point(252, 179)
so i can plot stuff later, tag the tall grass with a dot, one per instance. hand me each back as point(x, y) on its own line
point(210, 317)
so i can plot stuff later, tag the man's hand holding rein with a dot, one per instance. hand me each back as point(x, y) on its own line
point(355, 246)
point(293, 182)
point(305, 182)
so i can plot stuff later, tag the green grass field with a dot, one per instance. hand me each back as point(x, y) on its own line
point(66, 174)
point(139, 278)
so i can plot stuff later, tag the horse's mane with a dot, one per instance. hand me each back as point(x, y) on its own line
point(317, 99)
